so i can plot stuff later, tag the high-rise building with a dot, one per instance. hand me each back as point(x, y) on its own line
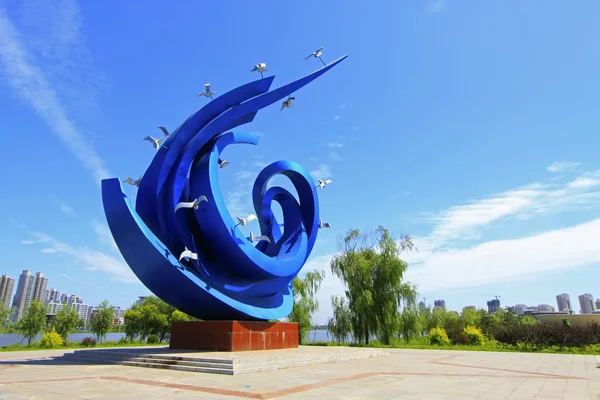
point(493, 306)
point(54, 307)
point(520, 309)
point(563, 301)
point(23, 294)
point(545, 308)
point(7, 285)
point(586, 302)
point(52, 296)
point(39, 287)
point(440, 303)
point(140, 300)
point(597, 304)
point(64, 298)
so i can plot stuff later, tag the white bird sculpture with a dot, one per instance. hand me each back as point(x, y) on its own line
point(317, 54)
point(244, 221)
point(156, 143)
point(253, 238)
point(287, 103)
point(223, 163)
point(207, 92)
point(134, 182)
point(261, 67)
point(192, 204)
point(322, 184)
point(188, 254)
point(164, 131)
point(324, 225)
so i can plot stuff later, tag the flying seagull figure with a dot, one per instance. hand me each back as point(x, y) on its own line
point(156, 143)
point(322, 184)
point(287, 103)
point(134, 182)
point(164, 131)
point(188, 254)
point(324, 225)
point(317, 54)
point(192, 204)
point(223, 163)
point(254, 238)
point(244, 221)
point(261, 67)
point(207, 92)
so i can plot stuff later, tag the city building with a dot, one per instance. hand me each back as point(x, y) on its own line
point(52, 296)
point(422, 305)
point(597, 304)
point(493, 306)
point(7, 285)
point(440, 303)
point(23, 294)
point(88, 318)
point(39, 287)
point(64, 298)
point(563, 301)
point(520, 309)
point(54, 307)
point(72, 299)
point(586, 302)
point(546, 308)
point(141, 299)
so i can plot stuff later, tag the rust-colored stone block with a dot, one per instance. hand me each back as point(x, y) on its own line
point(233, 335)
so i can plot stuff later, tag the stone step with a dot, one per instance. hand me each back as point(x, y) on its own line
point(176, 367)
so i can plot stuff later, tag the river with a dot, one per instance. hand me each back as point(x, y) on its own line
point(12, 338)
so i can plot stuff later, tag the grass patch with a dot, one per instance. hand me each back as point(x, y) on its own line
point(422, 344)
point(76, 345)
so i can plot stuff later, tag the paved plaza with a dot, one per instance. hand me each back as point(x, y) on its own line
point(402, 374)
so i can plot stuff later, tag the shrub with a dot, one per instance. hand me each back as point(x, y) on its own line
point(438, 336)
point(152, 339)
point(123, 340)
point(475, 335)
point(461, 338)
point(88, 342)
point(51, 340)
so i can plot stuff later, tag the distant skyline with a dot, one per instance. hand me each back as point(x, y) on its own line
point(473, 127)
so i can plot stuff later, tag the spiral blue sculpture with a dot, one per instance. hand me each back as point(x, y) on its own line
point(232, 279)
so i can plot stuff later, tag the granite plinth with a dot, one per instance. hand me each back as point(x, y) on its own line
point(233, 335)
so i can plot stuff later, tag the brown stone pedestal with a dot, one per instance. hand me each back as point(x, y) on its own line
point(233, 335)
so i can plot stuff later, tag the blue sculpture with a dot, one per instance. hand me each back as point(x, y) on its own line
point(225, 276)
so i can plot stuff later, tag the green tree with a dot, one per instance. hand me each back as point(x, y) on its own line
point(370, 267)
point(305, 302)
point(133, 323)
point(409, 323)
point(103, 320)
point(65, 321)
point(340, 325)
point(4, 313)
point(470, 317)
point(489, 323)
point(33, 321)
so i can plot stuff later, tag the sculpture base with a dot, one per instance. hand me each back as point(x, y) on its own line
point(233, 335)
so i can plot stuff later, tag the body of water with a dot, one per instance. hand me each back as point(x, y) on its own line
point(12, 338)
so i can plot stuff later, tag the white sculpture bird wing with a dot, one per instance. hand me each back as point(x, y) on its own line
point(328, 181)
point(185, 204)
point(150, 139)
point(164, 131)
point(251, 217)
point(188, 254)
point(199, 200)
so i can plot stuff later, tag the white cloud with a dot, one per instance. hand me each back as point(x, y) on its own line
point(322, 172)
point(436, 6)
point(87, 258)
point(561, 166)
point(336, 118)
point(21, 70)
point(104, 234)
point(334, 156)
point(335, 144)
point(584, 182)
point(64, 207)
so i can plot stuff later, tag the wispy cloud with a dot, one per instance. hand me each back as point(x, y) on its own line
point(436, 6)
point(322, 172)
point(104, 234)
point(69, 277)
point(448, 260)
point(562, 166)
point(55, 47)
point(89, 259)
point(333, 156)
point(64, 207)
point(335, 144)
point(336, 118)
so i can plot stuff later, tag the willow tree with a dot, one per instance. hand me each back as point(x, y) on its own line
point(305, 302)
point(370, 267)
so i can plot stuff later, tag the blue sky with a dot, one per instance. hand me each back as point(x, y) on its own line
point(471, 126)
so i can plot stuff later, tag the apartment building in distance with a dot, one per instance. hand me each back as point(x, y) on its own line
point(7, 285)
point(30, 287)
point(563, 301)
point(586, 302)
point(440, 303)
point(493, 306)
